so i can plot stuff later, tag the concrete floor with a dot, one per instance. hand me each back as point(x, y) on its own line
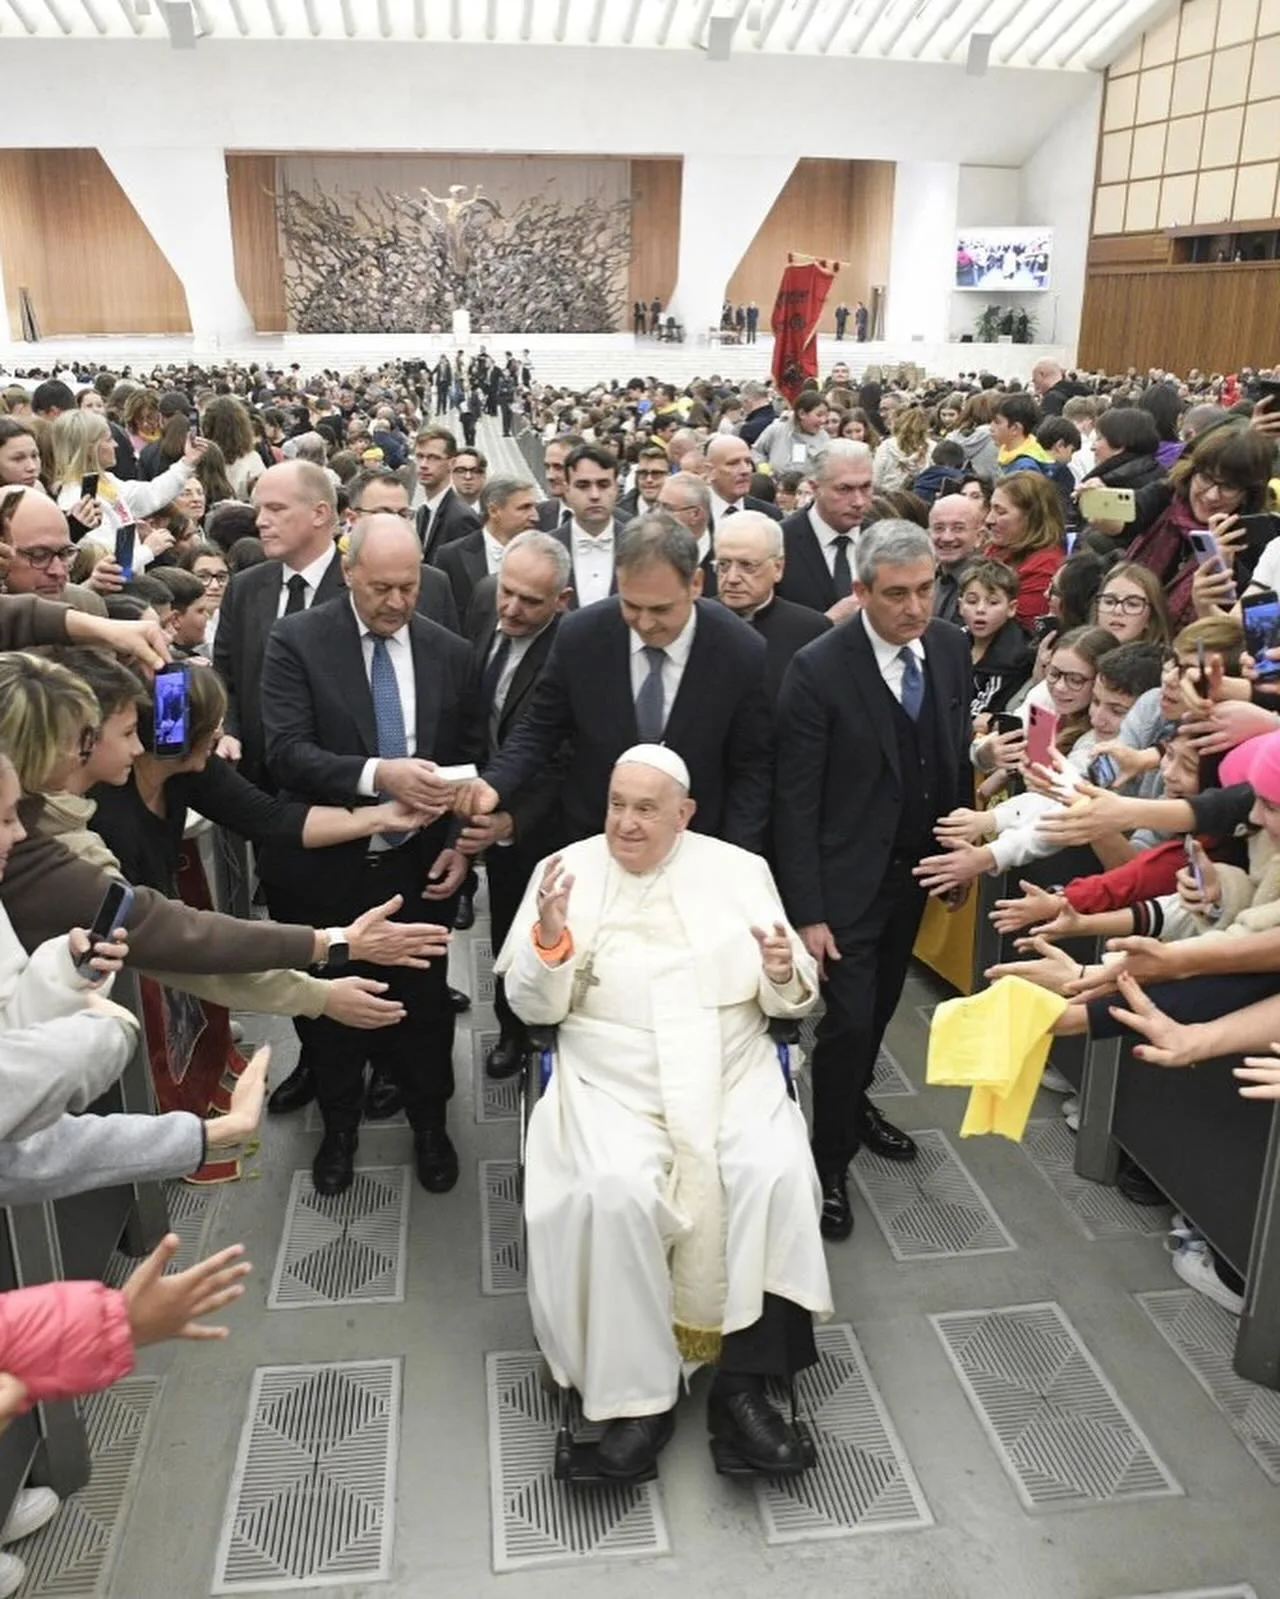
point(1225, 1531)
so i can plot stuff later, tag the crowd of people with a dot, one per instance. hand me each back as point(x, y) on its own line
point(716, 706)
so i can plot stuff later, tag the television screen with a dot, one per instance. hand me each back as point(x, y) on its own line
point(1009, 259)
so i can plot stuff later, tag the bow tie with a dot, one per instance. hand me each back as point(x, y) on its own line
point(588, 546)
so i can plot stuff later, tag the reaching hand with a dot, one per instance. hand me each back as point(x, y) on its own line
point(107, 576)
point(941, 874)
point(1079, 823)
point(356, 1002)
point(1263, 1073)
point(1054, 970)
point(240, 1123)
point(163, 1307)
point(375, 938)
point(396, 817)
point(146, 642)
point(775, 954)
point(483, 831)
point(1228, 723)
point(446, 874)
point(476, 798)
point(1266, 417)
point(843, 609)
point(816, 938)
point(194, 449)
point(1036, 905)
point(964, 826)
point(1169, 1043)
point(553, 903)
point(415, 783)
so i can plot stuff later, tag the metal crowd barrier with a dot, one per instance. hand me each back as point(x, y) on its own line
point(1215, 1155)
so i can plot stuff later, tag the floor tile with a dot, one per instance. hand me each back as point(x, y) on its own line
point(929, 1208)
point(343, 1249)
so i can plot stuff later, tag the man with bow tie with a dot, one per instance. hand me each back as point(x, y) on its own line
point(591, 492)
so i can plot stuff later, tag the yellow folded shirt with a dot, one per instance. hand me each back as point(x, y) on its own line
point(994, 1044)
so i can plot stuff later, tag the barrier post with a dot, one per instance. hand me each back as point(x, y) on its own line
point(1257, 1355)
point(1097, 1153)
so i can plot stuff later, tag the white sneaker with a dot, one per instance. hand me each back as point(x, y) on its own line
point(31, 1510)
point(1195, 1265)
point(12, 1575)
point(1071, 1106)
point(1073, 1117)
point(1054, 1082)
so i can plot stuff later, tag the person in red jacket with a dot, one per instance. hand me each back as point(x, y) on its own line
point(1025, 531)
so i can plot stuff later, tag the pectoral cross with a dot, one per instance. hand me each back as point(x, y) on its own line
point(583, 979)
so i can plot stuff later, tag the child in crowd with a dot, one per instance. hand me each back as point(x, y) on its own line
point(1060, 439)
point(998, 646)
point(191, 608)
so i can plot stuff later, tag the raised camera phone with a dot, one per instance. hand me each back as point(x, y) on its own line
point(1193, 861)
point(1006, 722)
point(1107, 505)
point(1103, 771)
point(172, 715)
point(1202, 671)
point(1045, 627)
point(89, 486)
point(1203, 544)
point(112, 912)
point(126, 537)
point(1260, 613)
point(1042, 730)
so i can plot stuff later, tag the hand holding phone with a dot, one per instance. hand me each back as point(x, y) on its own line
point(1260, 613)
point(89, 485)
point(113, 911)
point(1103, 771)
point(171, 716)
point(1107, 505)
point(126, 537)
point(1042, 730)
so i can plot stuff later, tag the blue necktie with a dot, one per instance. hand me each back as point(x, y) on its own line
point(649, 701)
point(912, 682)
point(388, 713)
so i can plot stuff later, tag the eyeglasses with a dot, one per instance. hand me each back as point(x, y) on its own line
point(651, 471)
point(214, 580)
point(1073, 680)
point(468, 471)
point(41, 556)
point(727, 564)
point(1211, 482)
point(1130, 604)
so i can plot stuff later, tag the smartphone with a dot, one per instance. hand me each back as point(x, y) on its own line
point(1045, 626)
point(1260, 614)
point(1189, 846)
point(1107, 505)
point(1203, 543)
point(1069, 540)
point(1042, 730)
point(1103, 771)
point(125, 537)
point(1269, 389)
point(1006, 722)
point(89, 486)
point(1259, 530)
point(113, 911)
point(171, 717)
point(193, 418)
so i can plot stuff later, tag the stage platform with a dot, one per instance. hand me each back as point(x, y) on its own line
point(573, 360)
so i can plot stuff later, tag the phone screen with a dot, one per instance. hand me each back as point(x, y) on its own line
point(1103, 771)
point(1006, 722)
point(89, 486)
point(1042, 729)
point(124, 549)
point(1189, 846)
point(1261, 616)
point(112, 911)
point(172, 715)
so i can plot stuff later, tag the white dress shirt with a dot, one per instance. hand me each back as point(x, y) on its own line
point(432, 505)
point(401, 652)
point(672, 668)
point(889, 660)
point(592, 562)
point(827, 537)
point(492, 554)
point(310, 575)
point(721, 507)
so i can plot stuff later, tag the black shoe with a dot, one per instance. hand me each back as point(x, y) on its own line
point(333, 1168)
point(632, 1444)
point(1137, 1187)
point(460, 1001)
point(297, 1090)
point(882, 1137)
point(465, 915)
point(837, 1213)
point(381, 1099)
point(505, 1058)
point(437, 1159)
point(744, 1424)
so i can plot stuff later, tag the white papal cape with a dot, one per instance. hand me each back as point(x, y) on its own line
point(669, 1183)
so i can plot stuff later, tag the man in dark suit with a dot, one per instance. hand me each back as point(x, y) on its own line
point(532, 591)
point(873, 738)
point(759, 409)
point(656, 664)
point(381, 490)
point(819, 543)
point(359, 698)
point(553, 511)
point(509, 506)
point(591, 494)
point(652, 470)
point(749, 564)
point(687, 497)
point(441, 515)
point(729, 471)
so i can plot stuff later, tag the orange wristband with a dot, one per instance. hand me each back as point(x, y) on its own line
point(559, 952)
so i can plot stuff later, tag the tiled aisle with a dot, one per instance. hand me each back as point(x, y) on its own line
point(1015, 1399)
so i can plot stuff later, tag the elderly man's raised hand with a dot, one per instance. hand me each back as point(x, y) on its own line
point(775, 954)
point(553, 903)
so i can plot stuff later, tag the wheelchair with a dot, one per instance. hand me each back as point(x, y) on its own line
point(575, 1445)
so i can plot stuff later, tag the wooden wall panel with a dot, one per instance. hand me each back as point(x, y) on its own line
point(69, 235)
point(655, 229)
point(827, 208)
point(1216, 318)
point(251, 189)
point(1131, 249)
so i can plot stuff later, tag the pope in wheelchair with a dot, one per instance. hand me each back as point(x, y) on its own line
point(671, 1201)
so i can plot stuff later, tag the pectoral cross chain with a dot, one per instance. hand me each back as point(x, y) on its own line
point(583, 979)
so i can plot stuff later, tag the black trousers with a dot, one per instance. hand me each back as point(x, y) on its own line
point(468, 420)
point(417, 1053)
point(508, 872)
point(505, 407)
point(778, 1345)
point(861, 992)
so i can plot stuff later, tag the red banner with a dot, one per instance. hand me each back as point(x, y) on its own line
point(801, 296)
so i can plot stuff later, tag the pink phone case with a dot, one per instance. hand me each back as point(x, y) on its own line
point(1042, 728)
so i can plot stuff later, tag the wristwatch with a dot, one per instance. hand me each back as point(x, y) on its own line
point(339, 950)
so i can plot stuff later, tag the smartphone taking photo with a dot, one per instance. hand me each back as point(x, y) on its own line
point(171, 717)
point(126, 538)
point(1260, 614)
point(1042, 730)
point(113, 911)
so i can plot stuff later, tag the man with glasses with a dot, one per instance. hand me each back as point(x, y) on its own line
point(469, 469)
point(43, 553)
point(748, 562)
point(687, 497)
point(441, 515)
point(652, 471)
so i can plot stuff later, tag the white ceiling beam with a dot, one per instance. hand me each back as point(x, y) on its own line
point(313, 18)
point(930, 28)
point(96, 19)
point(827, 39)
point(237, 11)
point(806, 17)
point(975, 17)
point(455, 20)
point(1050, 31)
point(1067, 40)
point(59, 16)
point(904, 20)
point(348, 19)
point(866, 22)
point(766, 23)
point(597, 22)
point(204, 28)
point(419, 19)
point(131, 17)
point(24, 18)
point(490, 21)
point(386, 28)
point(1112, 42)
point(698, 32)
point(629, 27)
point(1012, 38)
point(562, 22)
point(277, 21)
point(668, 17)
point(526, 22)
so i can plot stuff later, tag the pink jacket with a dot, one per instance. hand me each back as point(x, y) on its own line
point(63, 1339)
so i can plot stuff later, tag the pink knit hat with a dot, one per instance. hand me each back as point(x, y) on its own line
point(1256, 762)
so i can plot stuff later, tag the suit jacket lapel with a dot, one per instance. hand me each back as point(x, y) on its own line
point(349, 667)
point(524, 676)
point(866, 675)
point(332, 583)
point(817, 562)
point(426, 690)
point(683, 709)
point(266, 605)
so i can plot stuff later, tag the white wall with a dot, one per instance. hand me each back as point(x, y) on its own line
point(1055, 187)
point(922, 253)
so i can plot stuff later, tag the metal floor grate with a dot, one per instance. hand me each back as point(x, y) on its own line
point(501, 1229)
point(1103, 1212)
point(929, 1208)
point(1055, 1422)
point(72, 1554)
point(313, 1493)
point(536, 1520)
point(344, 1249)
point(863, 1481)
point(1203, 1336)
point(481, 990)
point(191, 1210)
point(495, 1101)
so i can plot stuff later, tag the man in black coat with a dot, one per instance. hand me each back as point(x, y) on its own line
point(730, 467)
point(359, 697)
point(819, 543)
point(873, 739)
point(655, 664)
point(749, 564)
point(553, 510)
point(759, 409)
point(441, 516)
point(651, 472)
point(509, 506)
point(532, 591)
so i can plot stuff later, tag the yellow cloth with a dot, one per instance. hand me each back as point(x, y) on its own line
point(994, 1044)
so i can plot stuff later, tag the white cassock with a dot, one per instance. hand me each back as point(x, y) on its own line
point(669, 1184)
